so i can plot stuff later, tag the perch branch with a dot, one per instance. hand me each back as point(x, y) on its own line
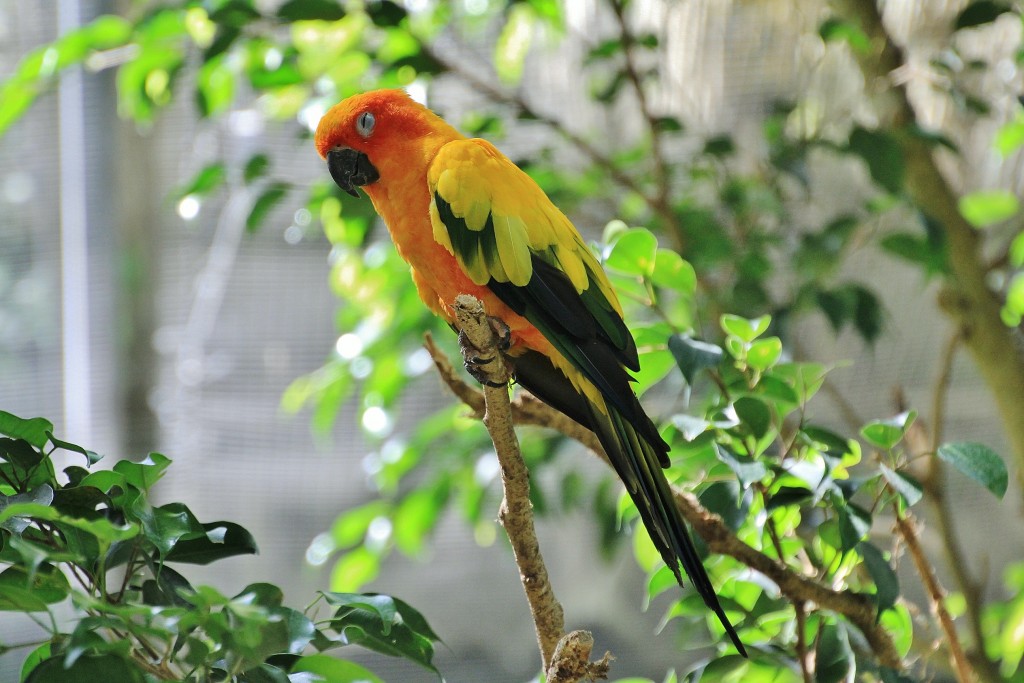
point(858, 608)
point(516, 512)
point(936, 595)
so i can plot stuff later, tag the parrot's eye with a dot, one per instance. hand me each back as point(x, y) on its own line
point(364, 124)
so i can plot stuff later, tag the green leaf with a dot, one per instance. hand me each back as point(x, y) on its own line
point(903, 484)
point(365, 627)
point(764, 353)
point(221, 540)
point(833, 29)
point(256, 167)
point(833, 655)
point(332, 670)
point(385, 13)
point(87, 669)
point(754, 415)
point(91, 457)
point(978, 13)
point(633, 252)
point(693, 355)
point(747, 470)
point(208, 179)
point(34, 430)
point(672, 272)
point(267, 200)
point(383, 605)
point(47, 583)
point(854, 524)
point(142, 475)
point(744, 329)
point(982, 209)
point(882, 153)
point(305, 10)
point(886, 583)
point(979, 462)
point(885, 434)
point(38, 655)
point(513, 43)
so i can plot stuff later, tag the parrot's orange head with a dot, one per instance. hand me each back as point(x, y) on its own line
point(362, 133)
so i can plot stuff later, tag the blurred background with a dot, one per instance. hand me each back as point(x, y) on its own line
point(169, 281)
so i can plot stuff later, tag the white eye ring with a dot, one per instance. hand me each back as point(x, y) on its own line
point(364, 124)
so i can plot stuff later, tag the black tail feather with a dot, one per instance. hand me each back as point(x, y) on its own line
point(638, 462)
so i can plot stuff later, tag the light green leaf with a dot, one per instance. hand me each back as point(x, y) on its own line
point(513, 43)
point(744, 329)
point(333, 670)
point(885, 434)
point(982, 209)
point(634, 252)
point(672, 272)
point(764, 353)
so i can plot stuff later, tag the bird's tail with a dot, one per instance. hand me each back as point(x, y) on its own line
point(638, 454)
point(638, 463)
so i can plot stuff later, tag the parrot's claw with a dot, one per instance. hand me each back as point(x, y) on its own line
point(474, 361)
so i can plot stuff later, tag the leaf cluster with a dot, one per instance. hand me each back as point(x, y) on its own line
point(92, 539)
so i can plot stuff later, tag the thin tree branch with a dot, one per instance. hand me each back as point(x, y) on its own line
point(936, 595)
point(858, 608)
point(516, 513)
point(934, 488)
point(661, 176)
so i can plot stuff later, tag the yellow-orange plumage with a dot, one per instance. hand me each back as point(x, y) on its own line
point(469, 221)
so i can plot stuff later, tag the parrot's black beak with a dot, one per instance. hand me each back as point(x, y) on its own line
point(351, 169)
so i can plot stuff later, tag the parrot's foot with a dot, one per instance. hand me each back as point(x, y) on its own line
point(475, 361)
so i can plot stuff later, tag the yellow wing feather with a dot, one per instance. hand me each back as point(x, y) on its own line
point(478, 182)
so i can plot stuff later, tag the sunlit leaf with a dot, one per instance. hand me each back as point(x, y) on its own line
point(985, 208)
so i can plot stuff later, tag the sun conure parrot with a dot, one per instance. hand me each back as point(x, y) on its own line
point(469, 221)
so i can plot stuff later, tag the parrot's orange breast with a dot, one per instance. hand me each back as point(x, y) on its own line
point(437, 274)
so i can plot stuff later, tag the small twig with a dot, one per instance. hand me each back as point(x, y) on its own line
point(516, 513)
point(936, 595)
point(858, 608)
point(804, 655)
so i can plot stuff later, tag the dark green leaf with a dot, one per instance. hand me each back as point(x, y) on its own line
point(385, 13)
point(32, 430)
point(603, 50)
point(725, 499)
point(719, 146)
point(221, 540)
point(269, 198)
point(102, 668)
point(883, 156)
point(979, 462)
point(886, 584)
point(222, 41)
point(236, 13)
point(47, 583)
point(693, 355)
point(304, 10)
point(668, 124)
point(789, 495)
point(20, 453)
point(978, 13)
point(754, 415)
point(256, 166)
point(903, 484)
point(747, 470)
point(834, 656)
point(265, 673)
point(91, 457)
point(854, 524)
